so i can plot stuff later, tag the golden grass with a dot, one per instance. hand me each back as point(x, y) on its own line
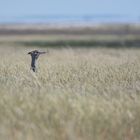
point(77, 94)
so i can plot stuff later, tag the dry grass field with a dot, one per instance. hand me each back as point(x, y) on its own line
point(76, 94)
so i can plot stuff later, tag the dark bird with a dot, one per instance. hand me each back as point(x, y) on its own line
point(34, 56)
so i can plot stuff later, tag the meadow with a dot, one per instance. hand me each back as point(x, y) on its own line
point(78, 93)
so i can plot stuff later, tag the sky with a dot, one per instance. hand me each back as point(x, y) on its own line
point(19, 8)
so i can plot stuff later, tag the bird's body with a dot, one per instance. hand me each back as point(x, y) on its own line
point(34, 56)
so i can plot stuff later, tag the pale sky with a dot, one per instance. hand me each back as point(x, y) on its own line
point(19, 8)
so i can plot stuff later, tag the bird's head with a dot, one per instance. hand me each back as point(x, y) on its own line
point(34, 52)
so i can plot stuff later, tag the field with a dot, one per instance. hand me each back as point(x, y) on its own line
point(78, 93)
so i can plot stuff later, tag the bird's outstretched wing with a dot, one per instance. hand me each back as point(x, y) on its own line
point(42, 52)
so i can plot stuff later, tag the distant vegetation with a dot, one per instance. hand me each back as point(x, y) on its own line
point(83, 43)
point(71, 36)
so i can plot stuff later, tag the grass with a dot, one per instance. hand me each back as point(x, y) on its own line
point(105, 35)
point(77, 94)
point(82, 43)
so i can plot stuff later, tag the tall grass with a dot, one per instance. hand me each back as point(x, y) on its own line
point(77, 94)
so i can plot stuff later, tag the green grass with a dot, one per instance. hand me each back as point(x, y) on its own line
point(109, 35)
point(82, 43)
point(77, 94)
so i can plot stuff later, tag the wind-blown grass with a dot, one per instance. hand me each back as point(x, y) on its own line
point(77, 94)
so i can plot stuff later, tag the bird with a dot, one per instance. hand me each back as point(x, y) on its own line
point(34, 56)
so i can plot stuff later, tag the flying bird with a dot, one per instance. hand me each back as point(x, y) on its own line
point(34, 56)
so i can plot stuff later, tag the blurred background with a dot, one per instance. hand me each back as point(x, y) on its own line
point(69, 11)
point(75, 23)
